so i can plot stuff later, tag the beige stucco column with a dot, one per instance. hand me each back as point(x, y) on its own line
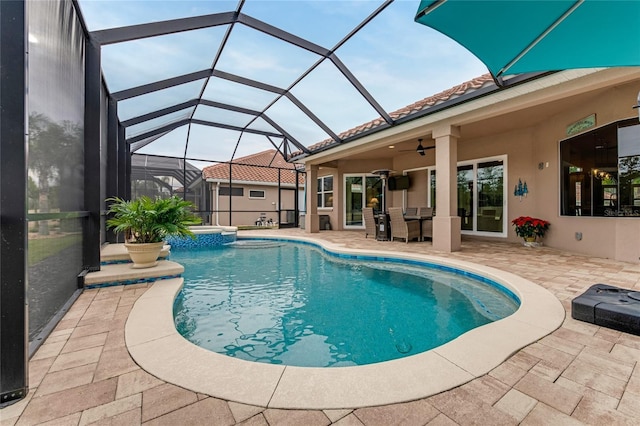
point(446, 222)
point(311, 219)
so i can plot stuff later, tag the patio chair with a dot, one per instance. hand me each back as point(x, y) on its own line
point(411, 211)
point(369, 222)
point(262, 220)
point(426, 215)
point(400, 228)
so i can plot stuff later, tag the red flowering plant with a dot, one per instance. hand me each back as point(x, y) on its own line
point(530, 227)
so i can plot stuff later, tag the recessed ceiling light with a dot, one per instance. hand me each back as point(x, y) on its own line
point(391, 146)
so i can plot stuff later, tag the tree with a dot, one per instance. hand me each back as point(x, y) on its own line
point(53, 148)
point(33, 193)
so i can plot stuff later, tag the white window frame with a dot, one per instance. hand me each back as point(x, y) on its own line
point(264, 194)
point(505, 195)
point(322, 191)
point(364, 177)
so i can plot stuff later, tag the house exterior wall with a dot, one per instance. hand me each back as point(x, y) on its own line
point(527, 136)
point(416, 195)
point(612, 237)
point(246, 210)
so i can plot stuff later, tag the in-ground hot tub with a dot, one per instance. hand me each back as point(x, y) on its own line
point(206, 236)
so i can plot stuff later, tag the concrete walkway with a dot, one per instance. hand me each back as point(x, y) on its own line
point(580, 374)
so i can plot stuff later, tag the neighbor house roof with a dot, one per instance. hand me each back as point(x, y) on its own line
point(260, 167)
point(422, 105)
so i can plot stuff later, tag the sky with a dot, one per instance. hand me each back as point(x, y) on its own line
point(397, 60)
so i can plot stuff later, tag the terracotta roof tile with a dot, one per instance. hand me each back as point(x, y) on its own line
point(243, 169)
point(423, 104)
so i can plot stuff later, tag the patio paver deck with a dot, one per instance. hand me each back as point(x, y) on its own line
point(579, 374)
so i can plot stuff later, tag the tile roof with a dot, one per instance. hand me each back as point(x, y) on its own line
point(421, 105)
point(244, 169)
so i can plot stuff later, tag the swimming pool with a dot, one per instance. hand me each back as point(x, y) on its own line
point(282, 302)
point(154, 343)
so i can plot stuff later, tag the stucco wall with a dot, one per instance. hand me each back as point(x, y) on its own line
point(416, 195)
point(613, 237)
point(247, 210)
point(527, 147)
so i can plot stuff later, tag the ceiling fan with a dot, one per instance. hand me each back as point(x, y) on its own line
point(420, 149)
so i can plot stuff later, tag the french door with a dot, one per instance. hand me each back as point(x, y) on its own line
point(481, 197)
point(361, 191)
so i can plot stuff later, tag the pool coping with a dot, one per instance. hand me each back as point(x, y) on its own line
point(154, 343)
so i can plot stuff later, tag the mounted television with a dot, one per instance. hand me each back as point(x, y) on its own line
point(398, 183)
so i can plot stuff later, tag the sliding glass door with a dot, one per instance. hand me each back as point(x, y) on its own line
point(481, 197)
point(361, 191)
point(490, 196)
point(465, 196)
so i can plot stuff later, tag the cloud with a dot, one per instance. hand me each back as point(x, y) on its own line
point(252, 54)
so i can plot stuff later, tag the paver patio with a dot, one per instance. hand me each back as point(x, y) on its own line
point(580, 374)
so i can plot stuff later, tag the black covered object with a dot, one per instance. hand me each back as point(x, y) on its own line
point(398, 183)
point(609, 306)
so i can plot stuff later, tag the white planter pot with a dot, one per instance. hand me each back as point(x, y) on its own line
point(144, 255)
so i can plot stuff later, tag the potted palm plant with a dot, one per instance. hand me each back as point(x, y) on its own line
point(146, 222)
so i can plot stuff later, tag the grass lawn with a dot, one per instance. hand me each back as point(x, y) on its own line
point(41, 248)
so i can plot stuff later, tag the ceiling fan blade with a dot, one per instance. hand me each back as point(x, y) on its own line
point(413, 150)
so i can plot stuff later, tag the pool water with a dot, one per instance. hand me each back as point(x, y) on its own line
point(295, 304)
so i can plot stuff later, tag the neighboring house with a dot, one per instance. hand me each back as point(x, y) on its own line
point(256, 189)
point(572, 137)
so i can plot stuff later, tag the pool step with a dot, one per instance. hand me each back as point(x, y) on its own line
point(117, 253)
point(124, 274)
point(115, 268)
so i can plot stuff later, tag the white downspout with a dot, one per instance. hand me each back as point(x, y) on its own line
point(217, 201)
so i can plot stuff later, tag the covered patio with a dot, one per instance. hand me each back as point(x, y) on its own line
point(481, 142)
point(579, 374)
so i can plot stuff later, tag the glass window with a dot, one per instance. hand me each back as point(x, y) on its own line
point(373, 196)
point(361, 191)
point(601, 171)
point(353, 200)
point(234, 191)
point(432, 189)
point(481, 196)
point(629, 169)
point(490, 196)
point(256, 193)
point(465, 196)
point(325, 191)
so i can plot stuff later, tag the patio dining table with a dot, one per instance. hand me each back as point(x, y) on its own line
point(419, 218)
